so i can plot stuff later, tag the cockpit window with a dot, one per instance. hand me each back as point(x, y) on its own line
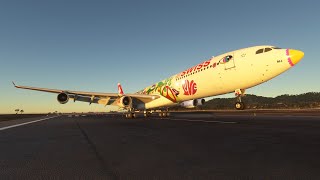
point(276, 48)
point(259, 51)
point(267, 49)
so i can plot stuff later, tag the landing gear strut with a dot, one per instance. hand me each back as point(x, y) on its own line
point(239, 105)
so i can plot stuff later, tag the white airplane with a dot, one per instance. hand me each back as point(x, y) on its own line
point(234, 71)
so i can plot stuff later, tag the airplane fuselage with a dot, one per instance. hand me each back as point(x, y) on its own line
point(240, 69)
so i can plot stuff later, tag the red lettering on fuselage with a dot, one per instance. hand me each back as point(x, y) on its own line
point(190, 70)
point(206, 63)
point(199, 66)
point(195, 68)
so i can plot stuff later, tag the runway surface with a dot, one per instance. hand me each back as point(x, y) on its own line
point(202, 145)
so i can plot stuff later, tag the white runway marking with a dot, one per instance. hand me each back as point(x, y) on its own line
point(222, 122)
point(22, 124)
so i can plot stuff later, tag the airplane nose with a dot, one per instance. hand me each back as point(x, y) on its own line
point(295, 55)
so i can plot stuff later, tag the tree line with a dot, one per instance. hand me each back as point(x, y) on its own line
point(286, 101)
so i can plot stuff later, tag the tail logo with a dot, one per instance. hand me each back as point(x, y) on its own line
point(120, 91)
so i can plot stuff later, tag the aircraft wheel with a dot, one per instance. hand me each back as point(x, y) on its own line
point(129, 115)
point(146, 114)
point(239, 105)
point(165, 114)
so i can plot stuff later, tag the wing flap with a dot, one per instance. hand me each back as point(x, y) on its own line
point(98, 100)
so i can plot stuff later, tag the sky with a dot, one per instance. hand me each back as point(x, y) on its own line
point(92, 45)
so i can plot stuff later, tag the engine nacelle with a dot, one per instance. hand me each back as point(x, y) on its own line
point(189, 104)
point(200, 102)
point(63, 98)
point(192, 103)
point(125, 101)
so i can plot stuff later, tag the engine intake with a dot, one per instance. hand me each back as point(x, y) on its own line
point(125, 101)
point(63, 98)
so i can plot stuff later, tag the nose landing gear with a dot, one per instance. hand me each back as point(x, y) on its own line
point(239, 105)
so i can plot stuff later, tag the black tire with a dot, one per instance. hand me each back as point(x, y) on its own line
point(239, 106)
point(129, 115)
point(164, 114)
point(146, 114)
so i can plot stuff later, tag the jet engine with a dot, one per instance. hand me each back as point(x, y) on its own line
point(192, 103)
point(189, 104)
point(200, 102)
point(125, 101)
point(63, 98)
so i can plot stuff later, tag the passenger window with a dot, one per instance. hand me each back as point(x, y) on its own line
point(259, 51)
point(267, 49)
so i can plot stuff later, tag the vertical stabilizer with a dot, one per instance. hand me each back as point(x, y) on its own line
point(120, 91)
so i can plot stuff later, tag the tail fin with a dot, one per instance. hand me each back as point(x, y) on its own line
point(120, 91)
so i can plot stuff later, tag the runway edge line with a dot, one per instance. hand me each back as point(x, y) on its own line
point(22, 124)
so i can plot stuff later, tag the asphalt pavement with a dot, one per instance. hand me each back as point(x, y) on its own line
point(205, 145)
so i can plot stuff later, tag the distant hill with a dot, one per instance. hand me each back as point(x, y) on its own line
point(301, 101)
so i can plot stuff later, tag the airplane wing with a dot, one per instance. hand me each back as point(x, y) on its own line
point(92, 97)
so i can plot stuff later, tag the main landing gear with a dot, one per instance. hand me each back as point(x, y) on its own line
point(239, 105)
point(146, 113)
point(164, 113)
point(130, 114)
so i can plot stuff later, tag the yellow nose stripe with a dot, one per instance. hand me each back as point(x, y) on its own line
point(294, 56)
